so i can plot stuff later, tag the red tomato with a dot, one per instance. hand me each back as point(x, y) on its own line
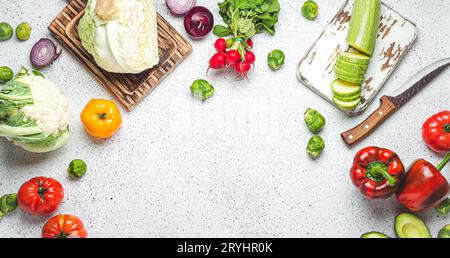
point(40, 195)
point(64, 226)
point(436, 132)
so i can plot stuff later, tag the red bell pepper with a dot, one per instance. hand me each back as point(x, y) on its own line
point(377, 172)
point(424, 186)
point(436, 132)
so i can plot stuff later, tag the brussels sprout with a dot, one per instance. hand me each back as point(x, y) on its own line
point(314, 120)
point(23, 31)
point(444, 232)
point(276, 59)
point(77, 168)
point(444, 207)
point(315, 146)
point(8, 203)
point(201, 89)
point(310, 10)
point(6, 31)
point(6, 74)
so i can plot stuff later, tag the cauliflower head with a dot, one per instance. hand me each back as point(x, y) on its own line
point(34, 114)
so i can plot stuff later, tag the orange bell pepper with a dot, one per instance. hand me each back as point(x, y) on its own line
point(101, 118)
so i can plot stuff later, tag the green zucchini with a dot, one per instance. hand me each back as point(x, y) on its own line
point(347, 99)
point(347, 78)
point(351, 66)
point(355, 58)
point(363, 29)
point(345, 89)
point(348, 71)
point(347, 105)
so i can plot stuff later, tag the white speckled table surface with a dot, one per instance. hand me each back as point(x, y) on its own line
point(234, 166)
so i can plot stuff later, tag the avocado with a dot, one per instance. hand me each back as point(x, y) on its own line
point(374, 234)
point(411, 226)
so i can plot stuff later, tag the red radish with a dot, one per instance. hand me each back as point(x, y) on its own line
point(250, 57)
point(217, 61)
point(250, 43)
point(233, 57)
point(220, 45)
point(243, 67)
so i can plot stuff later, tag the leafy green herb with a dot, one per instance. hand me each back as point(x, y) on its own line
point(222, 31)
point(238, 14)
point(38, 73)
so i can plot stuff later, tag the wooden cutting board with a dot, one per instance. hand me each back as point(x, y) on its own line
point(130, 89)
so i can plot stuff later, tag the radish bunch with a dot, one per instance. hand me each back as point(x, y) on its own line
point(234, 53)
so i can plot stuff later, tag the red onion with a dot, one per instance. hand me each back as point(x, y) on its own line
point(44, 52)
point(180, 7)
point(198, 22)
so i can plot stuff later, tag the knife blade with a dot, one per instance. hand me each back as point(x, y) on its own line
point(390, 104)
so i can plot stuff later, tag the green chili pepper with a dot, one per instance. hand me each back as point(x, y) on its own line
point(6, 31)
point(444, 232)
point(23, 31)
point(310, 10)
point(315, 146)
point(6, 74)
point(8, 203)
point(201, 89)
point(275, 59)
point(314, 120)
point(77, 168)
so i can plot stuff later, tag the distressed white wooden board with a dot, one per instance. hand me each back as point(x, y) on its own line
point(395, 36)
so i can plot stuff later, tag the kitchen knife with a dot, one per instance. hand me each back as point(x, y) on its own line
point(390, 104)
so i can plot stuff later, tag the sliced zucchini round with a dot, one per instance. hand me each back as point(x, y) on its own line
point(348, 99)
point(356, 58)
point(345, 89)
point(346, 71)
point(350, 79)
point(351, 66)
point(347, 105)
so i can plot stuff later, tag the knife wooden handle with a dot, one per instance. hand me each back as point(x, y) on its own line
point(386, 109)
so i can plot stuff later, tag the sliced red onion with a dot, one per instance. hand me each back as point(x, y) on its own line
point(180, 7)
point(198, 22)
point(44, 52)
